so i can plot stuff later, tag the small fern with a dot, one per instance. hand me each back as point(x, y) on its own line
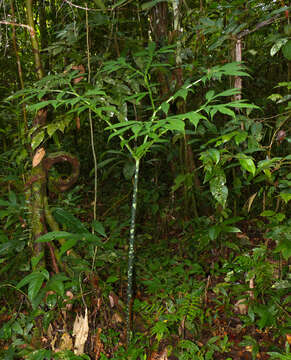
point(190, 307)
point(160, 330)
point(147, 310)
point(189, 351)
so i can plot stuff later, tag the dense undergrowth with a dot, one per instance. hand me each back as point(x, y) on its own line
point(195, 297)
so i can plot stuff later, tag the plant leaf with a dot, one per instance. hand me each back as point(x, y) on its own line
point(98, 227)
point(247, 163)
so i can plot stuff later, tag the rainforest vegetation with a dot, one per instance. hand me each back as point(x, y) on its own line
point(145, 179)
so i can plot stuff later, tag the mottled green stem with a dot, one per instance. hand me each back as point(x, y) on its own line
point(131, 252)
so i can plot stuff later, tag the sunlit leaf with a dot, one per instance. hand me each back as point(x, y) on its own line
point(240, 137)
point(285, 196)
point(37, 139)
point(277, 46)
point(218, 189)
point(247, 163)
point(42, 105)
point(214, 154)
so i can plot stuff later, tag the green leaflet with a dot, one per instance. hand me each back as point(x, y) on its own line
point(37, 139)
point(218, 188)
point(34, 281)
point(247, 163)
point(72, 223)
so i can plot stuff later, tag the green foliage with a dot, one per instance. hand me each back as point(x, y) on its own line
point(190, 350)
point(214, 183)
point(285, 356)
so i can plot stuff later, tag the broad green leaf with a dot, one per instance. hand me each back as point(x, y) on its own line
point(70, 221)
point(42, 104)
point(285, 248)
point(100, 4)
point(181, 93)
point(112, 279)
point(56, 285)
point(214, 154)
point(98, 227)
point(209, 95)
point(54, 235)
point(268, 163)
point(214, 232)
point(179, 180)
point(175, 125)
point(230, 69)
point(64, 123)
point(69, 102)
point(37, 139)
point(277, 356)
point(88, 237)
point(52, 128)
point(34, 286)
point(67, 245)
point(17, 328)
point(165, 107)
point(286, 50)
point(268, 213)
point(275, 97)
point(36, 259)
point(128, 170)
point(231, 229)
point(119, 132)
point(232, 220)
point(136, 129)
point(195, 117)
point(218, 189)
point(31, 277)
point(247, 163)
point(242, 105)
point(225, 110)
point(109, 110)
point(225, 138)
point(106, 162)
point(282, 284)
point(256, 130)
point(141, 150)
point(277, 46)
point(82, 108)
point(208, 175)
point(240, 137)
point(285, 196)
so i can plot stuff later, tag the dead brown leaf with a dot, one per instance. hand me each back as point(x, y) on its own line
point(40, 153)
